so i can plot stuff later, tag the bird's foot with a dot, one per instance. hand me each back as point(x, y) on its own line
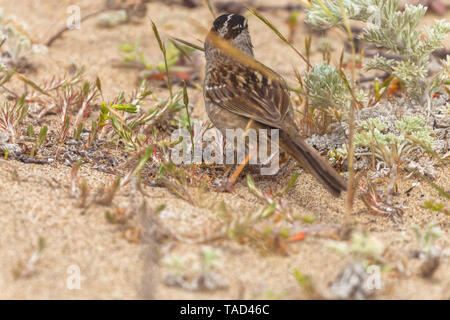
point(227, 187)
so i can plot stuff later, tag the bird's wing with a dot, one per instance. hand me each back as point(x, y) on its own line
point(259, 94)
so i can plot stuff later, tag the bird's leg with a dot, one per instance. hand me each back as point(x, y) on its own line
point(231, 181)
point(235, 175)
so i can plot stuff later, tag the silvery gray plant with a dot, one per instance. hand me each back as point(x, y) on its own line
point(15, 41)
point(397, 31)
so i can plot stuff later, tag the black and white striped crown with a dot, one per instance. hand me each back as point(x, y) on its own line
point(229, 25)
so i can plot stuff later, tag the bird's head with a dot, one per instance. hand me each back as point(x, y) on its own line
point(233, 28)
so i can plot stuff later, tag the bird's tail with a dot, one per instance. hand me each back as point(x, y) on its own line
point(311, 160)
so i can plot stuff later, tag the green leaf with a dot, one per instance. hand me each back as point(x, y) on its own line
point(78, 131)
point(126, 47)
point(130, 108)
point(42, 135)
point(434, 206)
point(98, 84)
point(30, 131)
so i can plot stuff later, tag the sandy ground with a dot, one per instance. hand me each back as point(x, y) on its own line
point(112, 266)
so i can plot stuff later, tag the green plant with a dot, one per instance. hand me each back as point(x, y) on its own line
point(195, 272)
point(16, 43)
point(133, 55)
point(210, 258)
point(398, 32)
point(435, 206)
point(305, 282)
point(325, 87)
point(130, 121)
point(362, 246)
point(389, 145)
point(427, 237)
point(11, 115)
point(39, 140)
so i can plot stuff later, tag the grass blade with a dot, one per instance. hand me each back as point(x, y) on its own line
point(189, 44)
point(163, 50)
point(278, 33)
point(210, 8)
point(186, 105)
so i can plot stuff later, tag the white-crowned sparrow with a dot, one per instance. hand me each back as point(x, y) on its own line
point(236, 92)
